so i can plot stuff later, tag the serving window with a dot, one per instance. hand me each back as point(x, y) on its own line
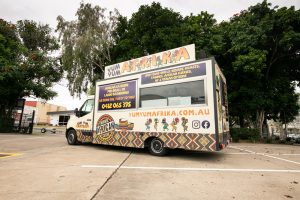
point(180, 94)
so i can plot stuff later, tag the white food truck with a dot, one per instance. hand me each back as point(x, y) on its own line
point(161, 101)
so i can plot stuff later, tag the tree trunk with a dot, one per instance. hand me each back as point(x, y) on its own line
point(285, 128)
point(266, 128)
point(260, 116)
point(241, 120)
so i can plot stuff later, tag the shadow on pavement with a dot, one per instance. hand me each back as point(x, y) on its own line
point(172, 153)
point(196, 155)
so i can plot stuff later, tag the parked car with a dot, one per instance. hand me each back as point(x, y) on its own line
point(293, 137)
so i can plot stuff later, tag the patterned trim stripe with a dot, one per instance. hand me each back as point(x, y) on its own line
point(172, 140)
point(84, 135)
point(189, 141)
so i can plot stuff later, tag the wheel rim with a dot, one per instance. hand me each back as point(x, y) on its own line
point(71, 137)
point(157, 146)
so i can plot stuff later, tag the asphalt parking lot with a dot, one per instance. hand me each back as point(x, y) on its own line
point(46, 167)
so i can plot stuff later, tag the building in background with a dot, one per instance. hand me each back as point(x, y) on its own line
point(41, 109)
point(60, 118)
point(276, 128)
point(294, 126)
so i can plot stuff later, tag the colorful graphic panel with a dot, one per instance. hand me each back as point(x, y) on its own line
point(158, 60)
point(174, 74)
point(117, 96)
point(121, 133)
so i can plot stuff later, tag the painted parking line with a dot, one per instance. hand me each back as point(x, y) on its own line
point(191, 169)
point(266, 155)
point(237, 153)
point(282, 159)
point(272, 154)
point(271, 145)
point(237, 148)
point(33, 137)
point(30, 138)
point(5, 155)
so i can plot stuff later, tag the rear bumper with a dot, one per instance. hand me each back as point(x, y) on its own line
point(226, 141)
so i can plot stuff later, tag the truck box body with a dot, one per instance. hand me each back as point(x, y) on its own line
point(184, 105)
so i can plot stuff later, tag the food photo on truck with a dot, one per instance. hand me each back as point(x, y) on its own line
point(163, 101)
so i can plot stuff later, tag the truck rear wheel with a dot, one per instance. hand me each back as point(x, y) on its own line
point(72, 137)
point(157, 148)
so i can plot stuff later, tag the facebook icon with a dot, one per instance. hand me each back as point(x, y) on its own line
point(205, 124)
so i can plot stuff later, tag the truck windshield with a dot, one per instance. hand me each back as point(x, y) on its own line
point(87, 107)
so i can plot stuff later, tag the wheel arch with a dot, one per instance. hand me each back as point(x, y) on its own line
point(148, 140)
point(71, 128)
point(163, 150)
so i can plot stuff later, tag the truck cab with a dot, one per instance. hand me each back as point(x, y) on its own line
point(81, 122)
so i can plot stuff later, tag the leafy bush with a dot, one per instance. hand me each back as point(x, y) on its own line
point(234, 134)
point(6, 125)
point(244, 134)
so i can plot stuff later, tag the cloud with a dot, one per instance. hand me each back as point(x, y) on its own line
point(47, 11)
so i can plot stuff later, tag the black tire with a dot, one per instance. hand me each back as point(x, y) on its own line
point(156, 147)
point(43, 130)
point(72, 137)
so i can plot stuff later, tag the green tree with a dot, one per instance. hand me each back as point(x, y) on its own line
point(201, 30)
point(86, 44)
point(261, 58)
point(39, 65)
point(27, 67)
point(10, 48)
point(123, 47)
point(151, 29)
point(286, 106)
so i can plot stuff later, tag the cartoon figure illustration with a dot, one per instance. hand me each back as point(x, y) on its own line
point(174, 124)
point(155, 123)
point(148, 122)
point(165, 124)
point(184, 123)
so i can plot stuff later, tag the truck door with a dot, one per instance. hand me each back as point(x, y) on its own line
point(85, 118)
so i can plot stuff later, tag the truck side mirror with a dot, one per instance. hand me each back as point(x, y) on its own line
point(77, 113)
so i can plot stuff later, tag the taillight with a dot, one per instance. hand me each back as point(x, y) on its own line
point(222, 146)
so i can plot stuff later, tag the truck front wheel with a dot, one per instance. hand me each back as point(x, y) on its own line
point(157, 148)
point(72, 137)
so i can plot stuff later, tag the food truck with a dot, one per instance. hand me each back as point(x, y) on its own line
point(162, 101)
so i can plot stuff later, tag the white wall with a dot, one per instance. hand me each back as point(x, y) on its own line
point(54, 120)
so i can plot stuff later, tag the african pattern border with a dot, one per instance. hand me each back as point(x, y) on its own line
point(189, 141)
point(84, 135)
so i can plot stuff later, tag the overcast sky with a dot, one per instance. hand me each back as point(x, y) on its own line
point(46, 11)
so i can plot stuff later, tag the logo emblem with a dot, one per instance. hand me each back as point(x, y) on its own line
point(196, 124)
point(105, 127)
point(205, 124)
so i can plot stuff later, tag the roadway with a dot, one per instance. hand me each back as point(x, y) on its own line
point(44, 166)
